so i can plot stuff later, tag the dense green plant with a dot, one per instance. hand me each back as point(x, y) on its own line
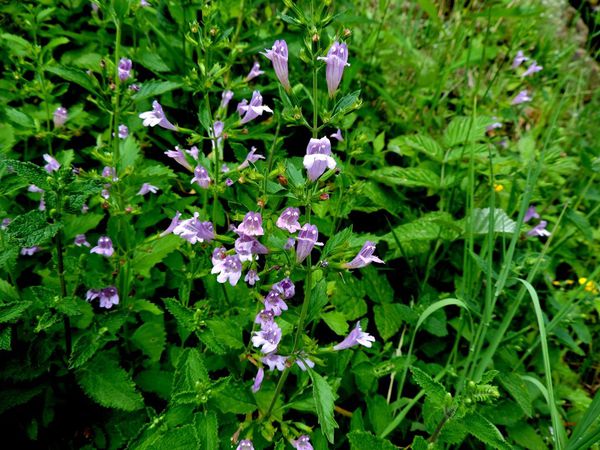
point(445, 143)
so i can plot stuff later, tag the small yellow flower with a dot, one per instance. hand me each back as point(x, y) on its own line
point(582, 280)
point(556, 283)
point(498, 187)
point(569, 282)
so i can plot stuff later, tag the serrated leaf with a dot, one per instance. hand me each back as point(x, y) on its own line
point(181, 438)
point(151, 338)
point(9, 398)
point(409, 177)
point(81, 223)
point(390, 317)
point(28, 172)
point(516, 387)
point(105, 382)
point(6, 338)
point(234, 398)
point(346, 103)
point(184, 316)
point(324, 403)
point(433, 389)
point(485, 431)
point(502, 223)
point(464, 130)
point(189, 370)
point(377, 285)
point(156, 381)
point(12, 311)
point(207, 430)
point(363, 440)
point(151, 89)
point(336, 321)
point(31, 229)
point(19, 118)
point(419, 142)
point(147, 255)
point(75, 76)
point(151, 60)
point(8, 291)
point(130, 152)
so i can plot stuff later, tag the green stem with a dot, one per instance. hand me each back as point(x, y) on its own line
point(116, 111)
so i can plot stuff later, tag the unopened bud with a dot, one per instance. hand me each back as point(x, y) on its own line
point(213, 31)
point(282, 180)
point(324, 196)
point(347, 32)
point(315, 37)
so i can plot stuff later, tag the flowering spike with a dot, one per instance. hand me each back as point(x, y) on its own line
point(318, 158)
point(156, 117)
point(364, 257)
point(279, 57)
point(336, 59)
point(357, 336)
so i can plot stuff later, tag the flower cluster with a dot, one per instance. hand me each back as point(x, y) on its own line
point(539, 229)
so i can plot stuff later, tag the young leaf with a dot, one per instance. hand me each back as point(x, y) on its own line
point(363, 440)
point(407, 176)
point(206, 427)
point(324, 403)
point(152, 89)
point(433, 389)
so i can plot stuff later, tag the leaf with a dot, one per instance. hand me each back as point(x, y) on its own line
point(409, 177)
point(148, 254)
point(336, 321)
point(180, 438)
point(189, 370)
point(433, 389)
point(12, 311)
point(465, 130)
point(324, 403)
point(152, 89)
point(28, 172)
point(151, 60)
point(151, 338)
point(377, 285)
point(104, 381)
point(390, 317)
point(31, 229)
point(233, 397)
point(337, 243)
point(17, 44)
point(207, 430)
point(515, 386)
point(19, 118)
point(81, 223)
point(8, 291)
point(75, 76)
point(156, 381)
point(6, 339)
point(318, 300)
point(485, 431)
point(130, 152)
point(346, 103)
point(186, 323)
point(419, 142)
point(502, 223)
point(363, 440)
point(9, 398)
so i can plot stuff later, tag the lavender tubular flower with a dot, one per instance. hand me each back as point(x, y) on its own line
point(193, 231)
point(307, 239)
point(303, 362)
point(251, 277)
point(218, 127)
point(533, 68)
point(302, 443)
point(251, 225)
point(251, 157)
point(156, 117)
point(539, 230)
point(179, 157)
point(521, 97)
point(123, 131)
point(226, 97)
point(357, 336)
point(29, 251)
point(275, 361)
point(247, 246)
point(279, 57)
point(268, 338)
point(253, 109)
point(264, 318)
point(81, 240)
point(60, 116)
point(364, 257)
point(201, 177)
point(336, 60)
point(53, 165)
point(109, 297)
point(318, 158)
point(245, 444)
point(258, 380)
point(288, 220)
point(124, 68)
point(146, 188)
point(172, 225)
point(254, 72)
point(229, 269)
point(274, 302)
point(337, 135)
point(530, 214)
point(286, 288)
point(104, 247)
point(519, 59)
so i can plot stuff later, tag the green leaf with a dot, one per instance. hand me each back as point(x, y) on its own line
point(515, 386)
point(9, 398)
point(32, 229)
point(28, 172)
point(207, 430)
point(527, 437)
point(465, 130)
point(318, 300)
point(377, 285)
point(156, 381)
point(180, 438)
point(148, 254)
point(151, 338)
point(433, 389)
point(152, 89)
point(390, 317)
point(81, 223)
point(336, 321)
point(189, 370)
point(485, 431)
point(130, 152)
point(19, 117)
point(8, 291)
point(502, 223)
point(346, 103)
point(363, 440)
point(324, 403)
point(5, 338)
point(75, 76)
point(12, 311)
point(233, 397)
point(409, 177)
point(419, 142)
point(104, 381)
point(17, 44)
point(151, 60)
point(186, 323)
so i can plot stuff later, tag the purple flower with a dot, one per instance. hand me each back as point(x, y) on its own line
point(192, 230)
point(226, 97)
point(144, 3)
point(53, 165)
point(530, 214)
point(224, 168)
point(201, 177)
point(94, 7)
point(108, 296)
point(337, 135)
point(251, 225)
point(364, 257)
point(156, 117)
point(286, 288)
point(288, 220)
point(230, 269)
point(494, 125)
point(218, 259)
point(109, 172)
point(275, 361)
point(228, 182)
point(254, 72)
point(134, 87)
point(241, 107)
point(268, 338)
point(251, 157)
point(5, 223)
point(193, 152)
point(356, 336)
point(81, 240)
point(105, 193)
point(60, 116)
point(289, 243)
point(519, 59)
point(521, 97)
point(251, 277)
point(42, 206)
point(307, 239)
point(303, 361)
point(179, 157)
point(104, 247)
point(533, 68)
point(318, 158)
point(124, 68)
point(264, 318)
point(274, 302)
point(279, 57)
point(217, 137)
point(172, 225)
point(245, 444)
point(123, 131)
point(85, 208)
point(254, 109)
point(147, 187)
point(34, 188)
point(29, 251)
point(539, 229)
point(247, 246)
point(258, 380)
point(302, 443)
point(336, 59)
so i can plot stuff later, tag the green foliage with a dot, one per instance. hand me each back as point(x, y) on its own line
point(324, 403)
